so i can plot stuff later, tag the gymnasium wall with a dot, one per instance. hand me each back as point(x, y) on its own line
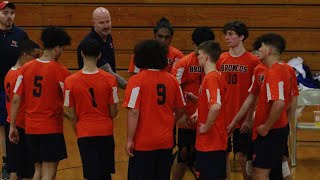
point(132, 20)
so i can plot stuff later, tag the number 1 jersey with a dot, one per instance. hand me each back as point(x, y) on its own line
point(41, 84)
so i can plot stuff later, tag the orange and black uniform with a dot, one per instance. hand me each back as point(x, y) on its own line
point(173, 56)
point(189, 75)
point(91, 95)
point(156, 94)
point(276, 86)
point(41, 84)
point(211, 146)
point(17, 160)
point(237, 72)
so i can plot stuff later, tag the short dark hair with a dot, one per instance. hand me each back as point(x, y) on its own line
point(211, 48)
point(27, 46)
point(163, 23)
point(54, 36)
point(237, 26)
point(202, 34)
point(150, 54)
point(271, 39)
point(91, 48)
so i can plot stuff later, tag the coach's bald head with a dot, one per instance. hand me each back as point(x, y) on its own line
point(101, 21)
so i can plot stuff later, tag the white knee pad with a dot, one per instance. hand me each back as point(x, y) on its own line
point(249, 168)
point(285, 169)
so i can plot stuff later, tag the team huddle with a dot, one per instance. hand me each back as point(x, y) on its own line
point(208, 103)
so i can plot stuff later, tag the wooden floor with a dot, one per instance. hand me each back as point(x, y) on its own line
point(308, 164)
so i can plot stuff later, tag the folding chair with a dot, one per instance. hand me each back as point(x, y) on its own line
point(309, 97)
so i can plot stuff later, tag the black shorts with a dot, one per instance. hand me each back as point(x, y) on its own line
point(211, 165)
point(186, 141)
point(147, 165)
point(250, 148)
point(240, 142)
point(18, 158)
point(97, 155)
point(276, 173)
point(47, 147)
point(268, 150)
point(3, 110)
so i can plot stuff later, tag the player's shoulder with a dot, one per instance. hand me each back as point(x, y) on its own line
point(174, 51)
point(73, 77)
point(186, 60)
point(249, 56)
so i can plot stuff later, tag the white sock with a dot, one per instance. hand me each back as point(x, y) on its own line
point(285, 169)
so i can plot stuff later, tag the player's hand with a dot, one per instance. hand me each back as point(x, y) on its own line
point(263, 130)
point(14, 135)
point(194, 118)
point(246, 126)
point(203, 128)
point(190, 96)
point(231, 127)
point(129, 148)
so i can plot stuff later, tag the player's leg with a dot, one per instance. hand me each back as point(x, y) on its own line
point(240, 148)
point(142, 165)
point(211, 165)
point(25, 165)
point(12, 155)
point(37, 171)
point(52, 150)
point(228, 166)
point(163, 164)
point(186, 153)
point(3, 117)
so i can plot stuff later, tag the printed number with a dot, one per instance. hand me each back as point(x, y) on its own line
point(37, 86)
point(93, 101)
point(8, 92)
point(161, 92)
point(232, 79)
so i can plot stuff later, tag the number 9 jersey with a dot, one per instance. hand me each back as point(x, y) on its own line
point(41, 84)
point(156, 94)
point(237, 72)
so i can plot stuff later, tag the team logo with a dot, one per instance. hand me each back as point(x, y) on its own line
point(261, 78)
point(200, 90)
point(14, 43)
point(170, 61)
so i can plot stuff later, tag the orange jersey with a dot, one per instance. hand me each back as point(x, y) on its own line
point(173, 56)
point(90, 95)
point(156, 94)
point(277, 86)
point(295, 90)
point(41, 83)
point(9, 83)
point(212, 91)
point(237, 72)
point(189, 75)
point(259, 76)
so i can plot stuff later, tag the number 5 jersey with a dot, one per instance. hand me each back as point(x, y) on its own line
point(41, 84)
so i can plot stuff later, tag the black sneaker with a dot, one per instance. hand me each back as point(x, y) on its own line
point(5, 175)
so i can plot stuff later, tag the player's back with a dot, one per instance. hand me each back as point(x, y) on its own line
point(42, 86)
point(91, 95)
point(9, 83)
point(158, 93)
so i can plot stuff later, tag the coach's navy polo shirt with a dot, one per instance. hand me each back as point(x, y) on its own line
point(9, 43)
point(107, 54)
